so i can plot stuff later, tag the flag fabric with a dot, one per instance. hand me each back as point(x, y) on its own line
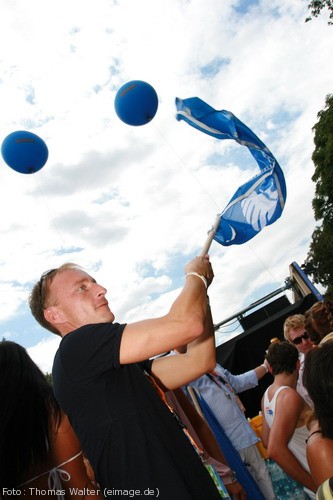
point(260, 201)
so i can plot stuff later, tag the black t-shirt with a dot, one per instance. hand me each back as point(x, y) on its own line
point(128, 434)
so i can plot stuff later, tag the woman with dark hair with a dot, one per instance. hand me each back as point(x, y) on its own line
point(38, 448)
point(319, 321)
point(318, 379)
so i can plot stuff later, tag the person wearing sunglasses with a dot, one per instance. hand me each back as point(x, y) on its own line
point(294, 331)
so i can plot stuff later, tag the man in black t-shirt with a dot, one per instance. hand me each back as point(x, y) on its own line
point(104, 381)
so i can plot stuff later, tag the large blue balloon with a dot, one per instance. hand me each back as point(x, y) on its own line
point(24, 152)
point(136, 103)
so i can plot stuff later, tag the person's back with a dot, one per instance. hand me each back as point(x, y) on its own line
point(38, 446)
point(284, 431)
point(272, 406)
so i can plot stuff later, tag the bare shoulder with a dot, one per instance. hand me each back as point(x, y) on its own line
point(288, 403)
point(319, 453)
point(64, 443)
point(317, 442)
point(289, 395)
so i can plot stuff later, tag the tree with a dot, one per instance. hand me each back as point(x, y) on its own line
point(320, 255)
point(316, 6)
point(48, 377)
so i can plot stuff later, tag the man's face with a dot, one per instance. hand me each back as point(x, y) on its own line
point(79, 300)
point(296, 337)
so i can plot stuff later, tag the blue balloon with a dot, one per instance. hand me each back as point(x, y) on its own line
point(24, 152)
point(136, 103)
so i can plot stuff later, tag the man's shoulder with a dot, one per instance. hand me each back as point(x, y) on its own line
point(90, 337)
point(92, 343)
point(289, 395)
point(92, 328)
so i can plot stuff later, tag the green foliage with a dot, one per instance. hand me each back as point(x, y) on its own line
point(322, 158)
point(316, 6)
point(320, 255)
point(48, 377)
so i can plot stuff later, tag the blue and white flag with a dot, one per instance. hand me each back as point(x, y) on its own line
point(260, 201)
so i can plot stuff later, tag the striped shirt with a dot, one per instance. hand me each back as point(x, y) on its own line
point(219, 391)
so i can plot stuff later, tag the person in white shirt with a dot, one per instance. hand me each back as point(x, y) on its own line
point(294, 331)
point(284, 431)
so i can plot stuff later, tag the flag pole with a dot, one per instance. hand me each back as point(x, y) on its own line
point(210, 236)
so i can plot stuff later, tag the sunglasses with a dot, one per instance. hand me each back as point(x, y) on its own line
point(298, 340)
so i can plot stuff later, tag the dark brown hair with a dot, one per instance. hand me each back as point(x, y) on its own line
point(27, 403)
point(319, 320)
point(282, 357)
point(318, 380)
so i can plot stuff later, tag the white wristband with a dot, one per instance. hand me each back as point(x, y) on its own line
point(193, 273)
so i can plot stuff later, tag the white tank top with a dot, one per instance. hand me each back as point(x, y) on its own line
point(297, 443)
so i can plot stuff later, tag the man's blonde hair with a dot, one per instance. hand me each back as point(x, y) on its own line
point(39, 296)
point(292, 322)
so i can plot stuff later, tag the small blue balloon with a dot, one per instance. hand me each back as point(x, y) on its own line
point(136, 103)
point(24, 152)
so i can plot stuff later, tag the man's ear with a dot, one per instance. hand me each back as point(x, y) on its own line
point(54, 315)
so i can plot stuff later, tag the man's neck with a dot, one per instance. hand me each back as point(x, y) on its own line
point(288, 379)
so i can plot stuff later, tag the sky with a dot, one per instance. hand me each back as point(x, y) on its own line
point(133, 205)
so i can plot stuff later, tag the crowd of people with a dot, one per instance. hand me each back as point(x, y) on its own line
point(122, 418)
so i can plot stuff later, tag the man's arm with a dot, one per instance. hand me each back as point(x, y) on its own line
point(244, 381)
point(262, 369)
point(172, 372)
point(288, 408)
point(183, 324)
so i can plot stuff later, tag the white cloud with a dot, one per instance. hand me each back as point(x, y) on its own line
point(120, 199)
point(43, 353)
